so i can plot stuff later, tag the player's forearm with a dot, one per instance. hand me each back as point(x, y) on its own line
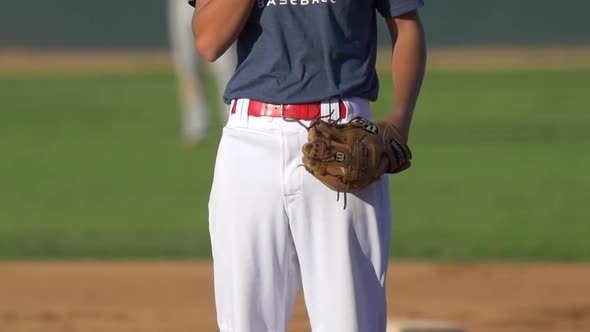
point(217, 24)
point(408, 65)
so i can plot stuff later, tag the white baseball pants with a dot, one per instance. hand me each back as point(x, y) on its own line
point(275, 227)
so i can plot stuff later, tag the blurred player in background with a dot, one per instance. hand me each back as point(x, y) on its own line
point(196, 108)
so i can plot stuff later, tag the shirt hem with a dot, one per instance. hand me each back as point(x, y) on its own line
point(403, 9)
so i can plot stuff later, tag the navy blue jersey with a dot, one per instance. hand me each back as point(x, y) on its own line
point(297, 51)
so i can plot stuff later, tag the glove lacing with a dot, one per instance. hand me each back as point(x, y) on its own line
point(332, 111)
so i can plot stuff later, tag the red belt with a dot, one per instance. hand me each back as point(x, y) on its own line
point(289, 111)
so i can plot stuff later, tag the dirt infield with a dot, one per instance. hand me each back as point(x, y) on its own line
point(150, 297)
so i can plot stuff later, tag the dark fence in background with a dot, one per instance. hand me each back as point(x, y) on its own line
point(141, 24)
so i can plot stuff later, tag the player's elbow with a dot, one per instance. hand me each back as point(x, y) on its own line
point(207, 53)
point(210, 50)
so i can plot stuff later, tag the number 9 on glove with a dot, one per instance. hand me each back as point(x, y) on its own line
point(346, 157)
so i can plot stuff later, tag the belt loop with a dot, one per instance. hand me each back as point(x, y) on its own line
point(326, 109)
point(244, 111)
point(335, 109)
point(240, 117)
point(282, 106)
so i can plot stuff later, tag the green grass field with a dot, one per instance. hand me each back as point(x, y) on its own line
point(92, 167)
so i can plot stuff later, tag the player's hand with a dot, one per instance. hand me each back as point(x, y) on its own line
point(402, 138)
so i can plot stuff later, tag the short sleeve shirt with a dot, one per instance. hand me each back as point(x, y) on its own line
point(298, 51)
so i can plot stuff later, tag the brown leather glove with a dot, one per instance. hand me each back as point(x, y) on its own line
point(346, 156)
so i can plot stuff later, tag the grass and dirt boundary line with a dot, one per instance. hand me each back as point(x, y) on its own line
point(122, 61)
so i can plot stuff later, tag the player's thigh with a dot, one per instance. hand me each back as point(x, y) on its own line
point(255, 264)
point(343, 255)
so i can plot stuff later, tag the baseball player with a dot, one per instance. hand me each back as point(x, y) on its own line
point(194, 103)
point(274, 226)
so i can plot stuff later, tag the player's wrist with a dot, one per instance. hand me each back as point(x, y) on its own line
point(402, 127)
point(395, 147)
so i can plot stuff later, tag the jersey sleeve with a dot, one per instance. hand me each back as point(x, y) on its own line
point(393, 8)
point(192, 2)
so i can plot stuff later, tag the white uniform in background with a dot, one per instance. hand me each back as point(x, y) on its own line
point(196, 109)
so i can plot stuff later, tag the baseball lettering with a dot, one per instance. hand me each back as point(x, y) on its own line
point(268, 3)
point(340, 157)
